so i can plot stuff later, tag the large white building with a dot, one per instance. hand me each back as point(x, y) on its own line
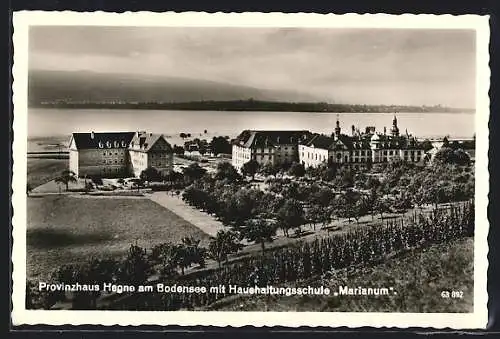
point(118, 154)
point(360, 148)
point(275, 147)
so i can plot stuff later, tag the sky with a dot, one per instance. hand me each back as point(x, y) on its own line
point(360, 66)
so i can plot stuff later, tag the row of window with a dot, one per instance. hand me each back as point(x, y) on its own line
point(111, 153)
point(360, 159)
point(111, 161)
point(109, 144)
point(158, 155)
point(270, 150)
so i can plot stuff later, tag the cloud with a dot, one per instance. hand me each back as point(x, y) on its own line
point(349, 65)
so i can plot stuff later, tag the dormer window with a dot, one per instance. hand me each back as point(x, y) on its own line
point(100, 144)
point(116, 144)
point(123, 143)
point(108, 144)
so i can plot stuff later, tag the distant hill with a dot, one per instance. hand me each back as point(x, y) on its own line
point(84, 86)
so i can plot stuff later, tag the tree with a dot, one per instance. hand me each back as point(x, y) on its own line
point(269, 169)
point(348, 202)
point(193, 172)
point(446, 142)
point(447, 155)
point(297, 170)
point(427, 145)
point(189, 252)
point(223, 244)
point(259, 230)
point(135, 269)
point(178, 150)
point(220, 145)
point(381, 206)
point(291, 215)
point(150, 174)
point(65, 178)
point(250, 168)
point(226, 171)
point(371, 201)
point(164, 255)
point(372, 183)
point(183, 135)
point(360, 208)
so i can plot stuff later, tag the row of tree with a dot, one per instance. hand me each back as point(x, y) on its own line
point(297, 262)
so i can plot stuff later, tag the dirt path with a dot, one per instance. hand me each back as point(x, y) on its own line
point(203, 221)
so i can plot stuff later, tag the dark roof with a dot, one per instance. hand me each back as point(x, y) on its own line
point(145, 141)
point(102, 140)
point(251, 138)
point(320, 141)
point(404, 142)
point(361, 142)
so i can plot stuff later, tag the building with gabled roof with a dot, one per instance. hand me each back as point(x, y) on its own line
point(274, 147)
point(360, 148)
point(118, 154)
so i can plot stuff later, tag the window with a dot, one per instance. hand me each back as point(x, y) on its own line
point(121, 161)
point(385, 152)
point(356, 153)
point(108, 144)
point(362, 152)
point(100, 144)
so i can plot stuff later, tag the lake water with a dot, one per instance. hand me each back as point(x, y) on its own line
point(50, 122)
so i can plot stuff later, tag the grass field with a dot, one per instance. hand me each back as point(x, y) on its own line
point(418, 278)
point(64, 230)
point(41, 170)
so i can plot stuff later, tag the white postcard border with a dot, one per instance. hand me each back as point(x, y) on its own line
point(23, 20)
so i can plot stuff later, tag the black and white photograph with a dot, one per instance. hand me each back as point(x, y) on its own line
point(271, 169)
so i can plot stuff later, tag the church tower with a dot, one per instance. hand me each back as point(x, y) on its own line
point(394, 128)
point(337, 128)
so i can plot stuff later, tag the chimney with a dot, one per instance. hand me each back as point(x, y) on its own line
point(92, 135)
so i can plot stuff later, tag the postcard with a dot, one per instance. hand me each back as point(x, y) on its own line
point(250, 169)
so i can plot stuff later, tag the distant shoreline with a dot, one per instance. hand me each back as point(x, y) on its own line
point(257, 106)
